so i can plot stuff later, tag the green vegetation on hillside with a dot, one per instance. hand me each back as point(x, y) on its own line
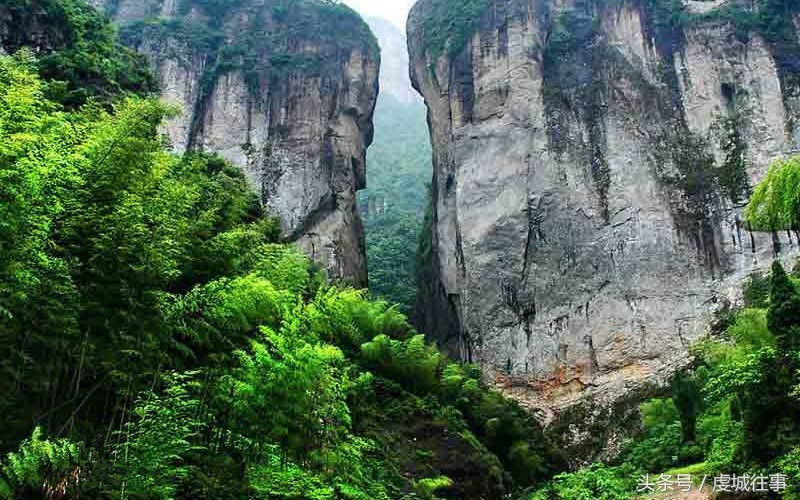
point(449, 24)
point(77, 47)
point(393, 205)
point(258, 53)
point(157, 341)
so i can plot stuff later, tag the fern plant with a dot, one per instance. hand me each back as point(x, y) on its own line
point(52, 467)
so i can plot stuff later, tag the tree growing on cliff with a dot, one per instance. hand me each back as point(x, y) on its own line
point(775, 204)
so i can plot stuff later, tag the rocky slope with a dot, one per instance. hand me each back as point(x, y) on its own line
point(591, 158)
point(286, 90)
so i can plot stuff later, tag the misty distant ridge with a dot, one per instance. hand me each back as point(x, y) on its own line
point(394, 60)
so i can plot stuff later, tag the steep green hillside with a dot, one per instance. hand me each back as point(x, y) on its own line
point(77, 46)
point(158, 341)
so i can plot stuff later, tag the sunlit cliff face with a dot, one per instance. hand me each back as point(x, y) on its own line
point(590, 170)
point(285, 94)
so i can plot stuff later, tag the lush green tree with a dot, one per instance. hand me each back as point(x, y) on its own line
point(79, 52)
point(288, 391)
point(688, 401)
point(770, 415)
point(783, 317)
point(664, 444)
point(775, 204)
point(150, 454)
point(748, 381)
point(52, 467)
point(789, 464)
point(756, 292)
point(101, 225)
point(412, 362)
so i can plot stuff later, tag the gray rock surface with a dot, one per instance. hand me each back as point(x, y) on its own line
point(286, 91)
point(588, 190)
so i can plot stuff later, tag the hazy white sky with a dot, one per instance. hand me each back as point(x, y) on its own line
point(395, 11)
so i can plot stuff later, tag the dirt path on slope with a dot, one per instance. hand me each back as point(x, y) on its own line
point(680, 495)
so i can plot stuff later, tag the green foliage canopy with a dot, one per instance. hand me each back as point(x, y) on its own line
point(775, 204)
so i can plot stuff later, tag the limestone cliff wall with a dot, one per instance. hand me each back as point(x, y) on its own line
point(590, 166)
point(285, 90)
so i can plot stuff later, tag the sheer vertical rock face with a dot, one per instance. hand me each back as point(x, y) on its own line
point(590, 170)
point(286, 91)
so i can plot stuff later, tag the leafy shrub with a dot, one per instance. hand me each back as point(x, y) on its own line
point(275, 479)
point(427, 487)
point(412, 363)
point(750, 331)
point(79, 47)
point(507, 430)
point(285, 267)
point(789, 464)
point(153, 448)
point(596, 482)
point(756, 292)
point(289, 391)
point(663, 445)
point(720, 436)
point(41, 465)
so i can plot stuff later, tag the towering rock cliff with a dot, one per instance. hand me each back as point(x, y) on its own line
point(591, 159)
point(285, 90)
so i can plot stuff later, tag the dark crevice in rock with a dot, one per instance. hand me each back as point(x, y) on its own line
point(574, 64)
point(208, 82)
point(662, 28)
point(527, 311)
point(462, 82)
point(502, 40)
point(592, 355)
point(437, 312)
